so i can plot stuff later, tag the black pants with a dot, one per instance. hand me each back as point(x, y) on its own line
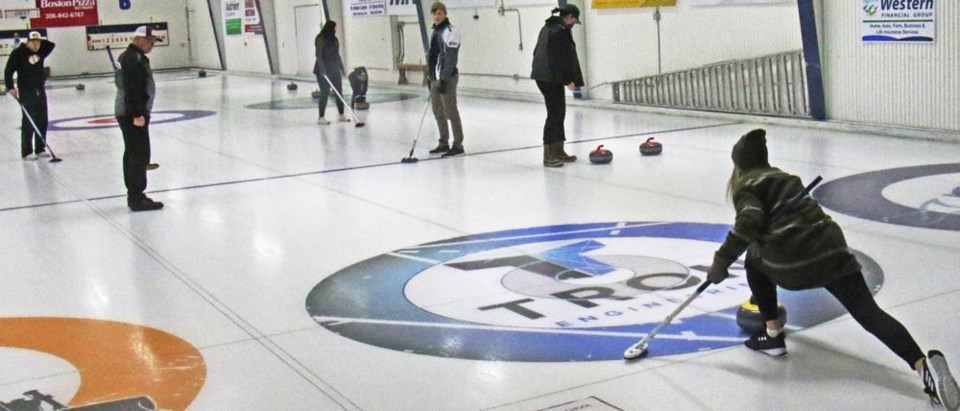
point(556, 101)
point(359, 87)
point(35, 101)
point(136, 156)
point(855, 296)
point(337, 81)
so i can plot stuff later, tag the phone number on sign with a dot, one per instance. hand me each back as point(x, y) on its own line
point(71, 15)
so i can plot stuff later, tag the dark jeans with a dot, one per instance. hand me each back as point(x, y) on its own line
point(136, 156)
point(35, 101)
point(556, 101)
point(855, 296)
point(337, 81)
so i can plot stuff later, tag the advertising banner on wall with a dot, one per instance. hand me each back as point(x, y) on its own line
point(23, 14)
point(623, 4)
point(251, 18)
point(11, 39)
point(731, 2)
point(407, 8)
point(118, 36)
point(905, 21)
point(361, 8)
point(233, 17)
point(66, 13)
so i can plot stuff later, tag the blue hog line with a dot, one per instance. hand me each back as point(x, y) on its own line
point(446, 250)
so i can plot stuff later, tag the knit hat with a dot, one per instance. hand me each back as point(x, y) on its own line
point(751, 151)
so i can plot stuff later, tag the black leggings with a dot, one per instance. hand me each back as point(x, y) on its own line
point(337, 81)
point(855, 296)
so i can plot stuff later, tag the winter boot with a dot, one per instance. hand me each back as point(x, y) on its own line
point(561, 155)
point(548, 159)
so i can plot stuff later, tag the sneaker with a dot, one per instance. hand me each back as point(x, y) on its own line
point(343, 119)
point(454, 152)
point(442, 148)
point(774, 346)
point(938, 383)
point(42, 154)
point(147, 204)
point(152, 166)
point(27, 156)
point(322, 121)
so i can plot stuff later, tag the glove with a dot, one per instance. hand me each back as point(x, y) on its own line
point(442, 87)
point(718, 270)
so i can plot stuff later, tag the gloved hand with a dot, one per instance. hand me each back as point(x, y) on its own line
point(719, 269)
point(442, 87)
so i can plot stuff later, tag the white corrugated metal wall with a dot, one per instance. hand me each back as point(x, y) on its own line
point(906, 85)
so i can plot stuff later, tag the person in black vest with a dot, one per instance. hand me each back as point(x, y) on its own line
point(555, 66)
point(329, 64)
point(136, 91)
point(799, 247)
point(27, 62)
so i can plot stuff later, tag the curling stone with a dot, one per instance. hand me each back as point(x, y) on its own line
point(81, 87)
point(601, 155)
point(361, 103)
point(651, 148)
point(956, 191)
point(3, 91)
point(292, 86)
point(748, 317)
point(202, 73)
point(315, 94)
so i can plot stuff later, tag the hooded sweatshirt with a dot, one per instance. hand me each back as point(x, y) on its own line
point(800, 248)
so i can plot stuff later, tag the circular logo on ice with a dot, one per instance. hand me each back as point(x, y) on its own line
point(98, 122)
point(921, 196)
point(557, 293)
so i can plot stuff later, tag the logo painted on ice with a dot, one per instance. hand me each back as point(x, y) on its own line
point(921, 196)
point(558, 293)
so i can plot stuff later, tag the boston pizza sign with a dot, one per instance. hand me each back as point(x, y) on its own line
point(66, 13)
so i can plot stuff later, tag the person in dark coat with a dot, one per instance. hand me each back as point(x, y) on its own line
point(800, 247)
point(329, 65)
point(26, 61)
point(555, 66)
point(136, 91)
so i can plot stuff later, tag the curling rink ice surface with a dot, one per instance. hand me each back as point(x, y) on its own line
point(303, 267)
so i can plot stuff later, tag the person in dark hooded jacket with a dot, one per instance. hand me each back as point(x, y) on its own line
point(798, 247)
point(555, 66)
point(328, 66)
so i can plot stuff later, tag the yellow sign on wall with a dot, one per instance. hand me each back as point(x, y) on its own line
point(622, 4)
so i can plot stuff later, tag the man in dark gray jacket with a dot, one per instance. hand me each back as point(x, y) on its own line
point(135, 93)
point(442, 67)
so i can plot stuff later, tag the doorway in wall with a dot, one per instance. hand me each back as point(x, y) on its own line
point(308, 25)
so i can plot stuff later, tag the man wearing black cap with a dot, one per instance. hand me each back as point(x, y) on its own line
point(555, 66)
point(135, 93)
point(27, 61)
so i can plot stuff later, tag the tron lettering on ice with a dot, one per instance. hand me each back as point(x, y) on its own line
point(560, 293)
